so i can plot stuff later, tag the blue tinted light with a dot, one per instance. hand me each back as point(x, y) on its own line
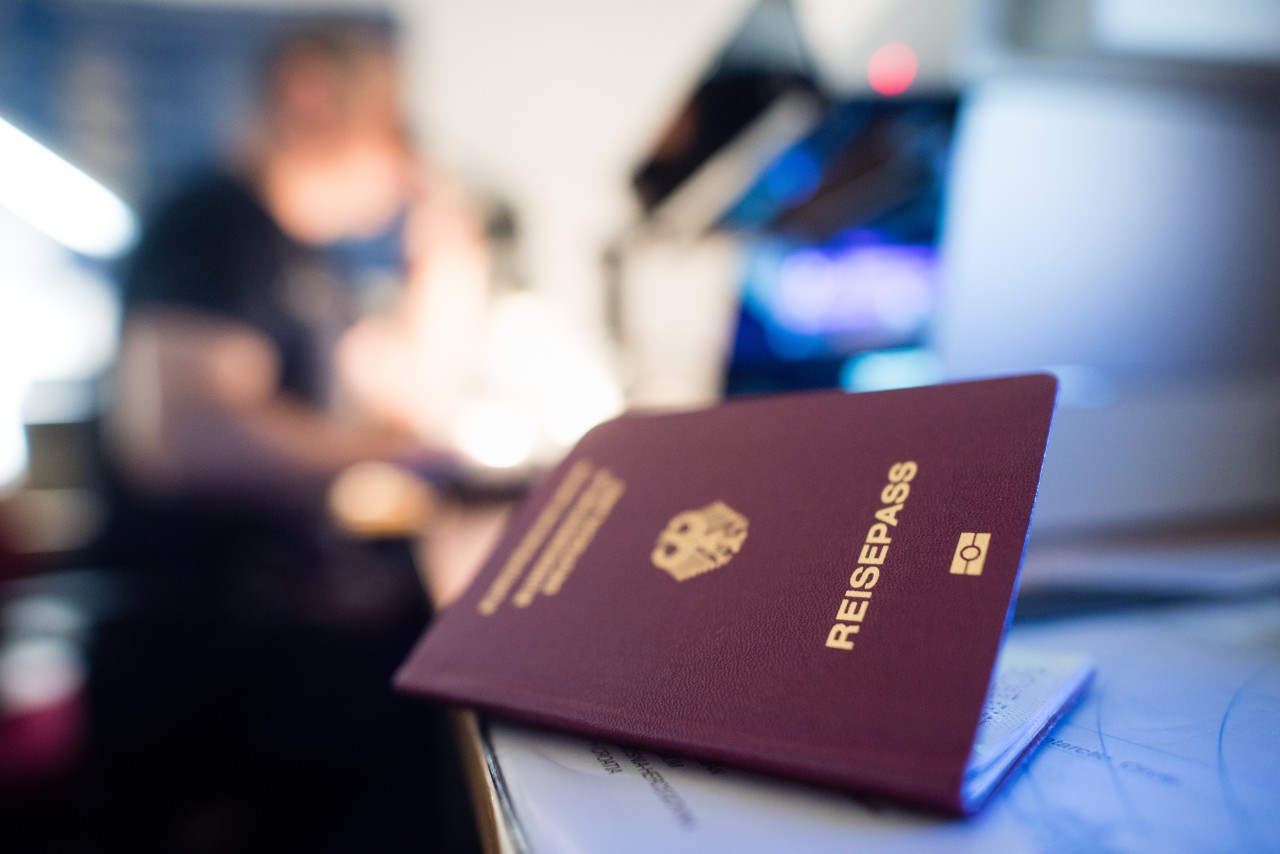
point(863, 288)
point(888, 369)
point(792, 177)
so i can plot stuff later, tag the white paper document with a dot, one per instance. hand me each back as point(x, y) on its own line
point(1176, 747)
point(1031, 686)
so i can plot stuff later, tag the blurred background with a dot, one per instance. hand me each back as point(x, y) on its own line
point(682, 201)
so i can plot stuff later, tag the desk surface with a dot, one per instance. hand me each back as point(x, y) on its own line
point(1173, 749)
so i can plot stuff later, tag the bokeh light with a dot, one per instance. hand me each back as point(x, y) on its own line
point(892, 69)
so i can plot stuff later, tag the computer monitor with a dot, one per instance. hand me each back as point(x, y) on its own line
point(1120, 230)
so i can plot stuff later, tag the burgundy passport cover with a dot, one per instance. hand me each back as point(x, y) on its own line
point(812, 585)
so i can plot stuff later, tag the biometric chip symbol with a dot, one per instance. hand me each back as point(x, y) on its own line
point(698, 541)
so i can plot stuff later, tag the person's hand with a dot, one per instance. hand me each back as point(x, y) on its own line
point(441, 221)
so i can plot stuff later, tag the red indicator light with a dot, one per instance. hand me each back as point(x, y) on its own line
point(892, 69)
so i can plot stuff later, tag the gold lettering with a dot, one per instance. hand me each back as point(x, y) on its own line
point(889, 515)
point(852, 612)
point(605, 491)
point(838, 637)
point(570, 539)
point(860, 580)
point(895, 493)
point(872, 554)
point(535, 536)
point(902, 472)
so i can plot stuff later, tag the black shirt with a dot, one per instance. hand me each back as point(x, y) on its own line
point(213, 248)
point(247, 664)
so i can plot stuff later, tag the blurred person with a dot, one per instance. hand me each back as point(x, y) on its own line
point(225, 382)
point(244, 700)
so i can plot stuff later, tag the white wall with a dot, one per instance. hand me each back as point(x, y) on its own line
point(551, 104)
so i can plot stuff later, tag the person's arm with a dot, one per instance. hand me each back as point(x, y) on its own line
point(414, 366)
point(198, 410)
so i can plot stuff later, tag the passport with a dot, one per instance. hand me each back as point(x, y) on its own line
point(814, 586)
